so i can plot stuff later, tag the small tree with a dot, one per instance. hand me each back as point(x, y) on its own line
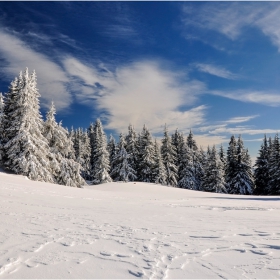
point(168, 157)
point(122, 169)
point(187, 177)
point(262, 169)
point(66, 171)
point(159, 168)
point(215, 179)
point(242, 182)
point(101, 161)
point(231, 164)
point(1, 126)
point(146, 156)
point(131, 147)
point(112, 150)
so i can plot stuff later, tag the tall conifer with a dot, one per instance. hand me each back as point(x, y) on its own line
point(146, 156)
point(262, 169)
point(26, 150)
point(169, 157)
point(1, 126)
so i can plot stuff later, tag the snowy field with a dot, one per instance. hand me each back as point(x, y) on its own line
point(134, 230)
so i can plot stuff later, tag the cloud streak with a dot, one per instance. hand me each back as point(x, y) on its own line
point(52, 80)
point(260, 97)
point(241, 119)
point(231, 18)
point(215, 70)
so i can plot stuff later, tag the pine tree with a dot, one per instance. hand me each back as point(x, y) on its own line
point(274, 167)
point(231, 164)
point(85, 156)
point(82, 149)
point(146, 156)
point(92, 140)
point(101, 161)
point(1, 126)
point(191, 142)
point(197, 159)
point(179, 144)
point(206, 180)
point(122, 169)
point(242, 182)
point(222, 156)
point(262, 169)
point(65, 170)
point(169, 158)
point(159, 169)
point(112, 150)
point(214, 174)
point(131, 147)
point(187, 175)
point(176, 139)
point(26, 151)
point(199, 164)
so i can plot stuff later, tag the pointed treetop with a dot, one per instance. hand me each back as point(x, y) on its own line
point(1, 102)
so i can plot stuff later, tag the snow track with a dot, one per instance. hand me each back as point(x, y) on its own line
point(134, 230)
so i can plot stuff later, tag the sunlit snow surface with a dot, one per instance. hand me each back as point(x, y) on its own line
point(134, 230)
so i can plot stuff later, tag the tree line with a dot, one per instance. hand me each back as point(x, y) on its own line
point(46, 151)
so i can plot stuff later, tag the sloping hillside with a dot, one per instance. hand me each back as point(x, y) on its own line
point(134, 230)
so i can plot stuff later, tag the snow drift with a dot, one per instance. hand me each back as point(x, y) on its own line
point(134, 230)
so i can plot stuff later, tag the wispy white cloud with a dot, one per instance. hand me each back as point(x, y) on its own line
point(260, 97)
point(240, 119)
point(52, 80)
point(215, 70)
point(139, 93)
point(230, 18)
point(244, 130)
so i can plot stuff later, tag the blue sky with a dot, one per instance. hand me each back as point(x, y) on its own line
point(213, 67)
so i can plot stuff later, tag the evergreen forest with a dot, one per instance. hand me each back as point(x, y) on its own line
point(43, 150)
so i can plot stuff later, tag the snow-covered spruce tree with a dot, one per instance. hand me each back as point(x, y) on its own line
point(262, 169)
point(131, 148)
point(187, 175)
point(112, 150)
point(274, 167)
point(197, 159)
point(200, 160)
point(191, 142)
point(243, 181)
point(101, 162)
point(222, 157)
point(91, 135)
point(159, 168)
point(169, 158)
point(139, 155)
point(146, 157)
point(85, 156)
point(231, 164)
point(82, 151)
point(26, 150)
point(179, 143)
point(206, 180)
point(65, 170)
point(122, 169)
point(1, 126)
point(175, 139)
point(10, 105)
point(214, 174)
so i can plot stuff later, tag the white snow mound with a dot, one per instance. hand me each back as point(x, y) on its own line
point(134, 230)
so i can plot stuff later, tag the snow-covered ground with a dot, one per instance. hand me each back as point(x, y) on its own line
point(134, 230)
